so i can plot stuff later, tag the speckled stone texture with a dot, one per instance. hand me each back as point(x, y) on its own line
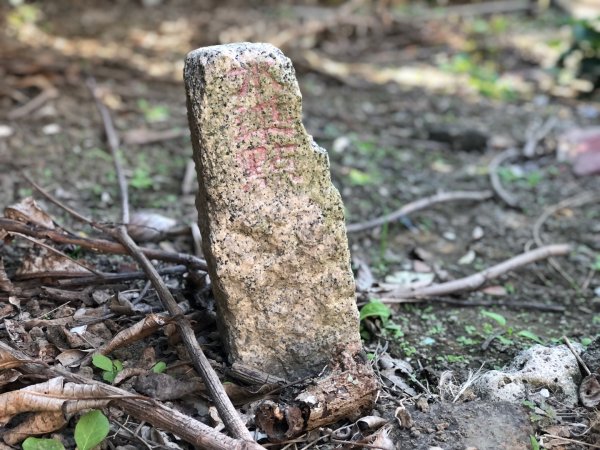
point(272, 222)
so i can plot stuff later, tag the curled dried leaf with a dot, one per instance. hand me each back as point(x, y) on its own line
point(49, 264)
point(404, 417)
point(146, 226)
point(589, 391)
point(28, 211)
point(370, 423)
point(36, 424)
point(383, 441)
point(136, 332)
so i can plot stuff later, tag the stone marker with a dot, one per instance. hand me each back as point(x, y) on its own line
point(271, 221)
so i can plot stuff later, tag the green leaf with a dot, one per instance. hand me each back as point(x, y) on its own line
point(596, 264)
point(535, 445)
point(32, 443)
point(91, 429)
point(109, 376)
point(529, 335)
point(359, 178)
point(117, 365)
point(159, 367)
point(102, 362)
point(495, 316)
point(375, 308)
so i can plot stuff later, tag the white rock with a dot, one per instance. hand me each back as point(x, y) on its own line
point(533, 373)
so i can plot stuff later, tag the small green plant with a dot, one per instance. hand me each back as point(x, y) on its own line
point(32, 443)
point(153, 113)
point(466, 341)
point(510, 288)
point(535, 445)
point(530, 335)
point(109, 367)
point(159, 367)
point(596, 264)
point(359, 178)
point(495, 316)
point(91, 429)
point(377, 309)
point(533, 178)
point(511, 175)
point(141, 178)
point(482, 75)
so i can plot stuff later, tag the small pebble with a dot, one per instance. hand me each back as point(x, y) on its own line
point(51, 128)
point(5, 131)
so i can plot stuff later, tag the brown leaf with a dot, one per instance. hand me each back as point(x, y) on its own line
point(589, 391)
point(5, 283)
point(370, 423)
point(36, 424)
point(28, 211)
point(49, 264)
point(71, 357)
point(165, 387)
point(50, 396)
point(9, 376)
point(136, 332)
point(382, 440)
point(145, 225)
point(404, 417)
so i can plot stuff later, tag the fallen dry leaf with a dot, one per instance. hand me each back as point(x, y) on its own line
point(28, 211)
point(589, 391)
point(36, 424)
point(49, 264)
point(146, 225)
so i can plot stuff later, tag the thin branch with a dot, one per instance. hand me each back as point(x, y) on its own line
point(571, 441)
point(511, 305)
point(495, 181)
point(478, 279)
point(54, 200)
point(113, 143)
point(99, 245)
point(536, 133)
point(419, 205)
point(577, 200)
point(58, 252)
point(33, 104)
point(108, 278)
point(576, 355)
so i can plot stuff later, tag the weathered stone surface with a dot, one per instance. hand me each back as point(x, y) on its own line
point(539, 369)
point(272, 222)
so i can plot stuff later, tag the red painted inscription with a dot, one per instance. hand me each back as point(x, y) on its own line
point(260, 127)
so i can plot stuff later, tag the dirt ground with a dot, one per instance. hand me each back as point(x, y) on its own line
point(408, 104)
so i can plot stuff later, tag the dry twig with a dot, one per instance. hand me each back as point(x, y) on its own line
point(476, 280)
point(577, 200)
point(502, 193)
point(99, 245)
point(113, 144)
point(576, 355)
point(35, 103)
point(418, 205)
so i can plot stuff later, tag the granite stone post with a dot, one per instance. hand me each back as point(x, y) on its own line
point(272, 222)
